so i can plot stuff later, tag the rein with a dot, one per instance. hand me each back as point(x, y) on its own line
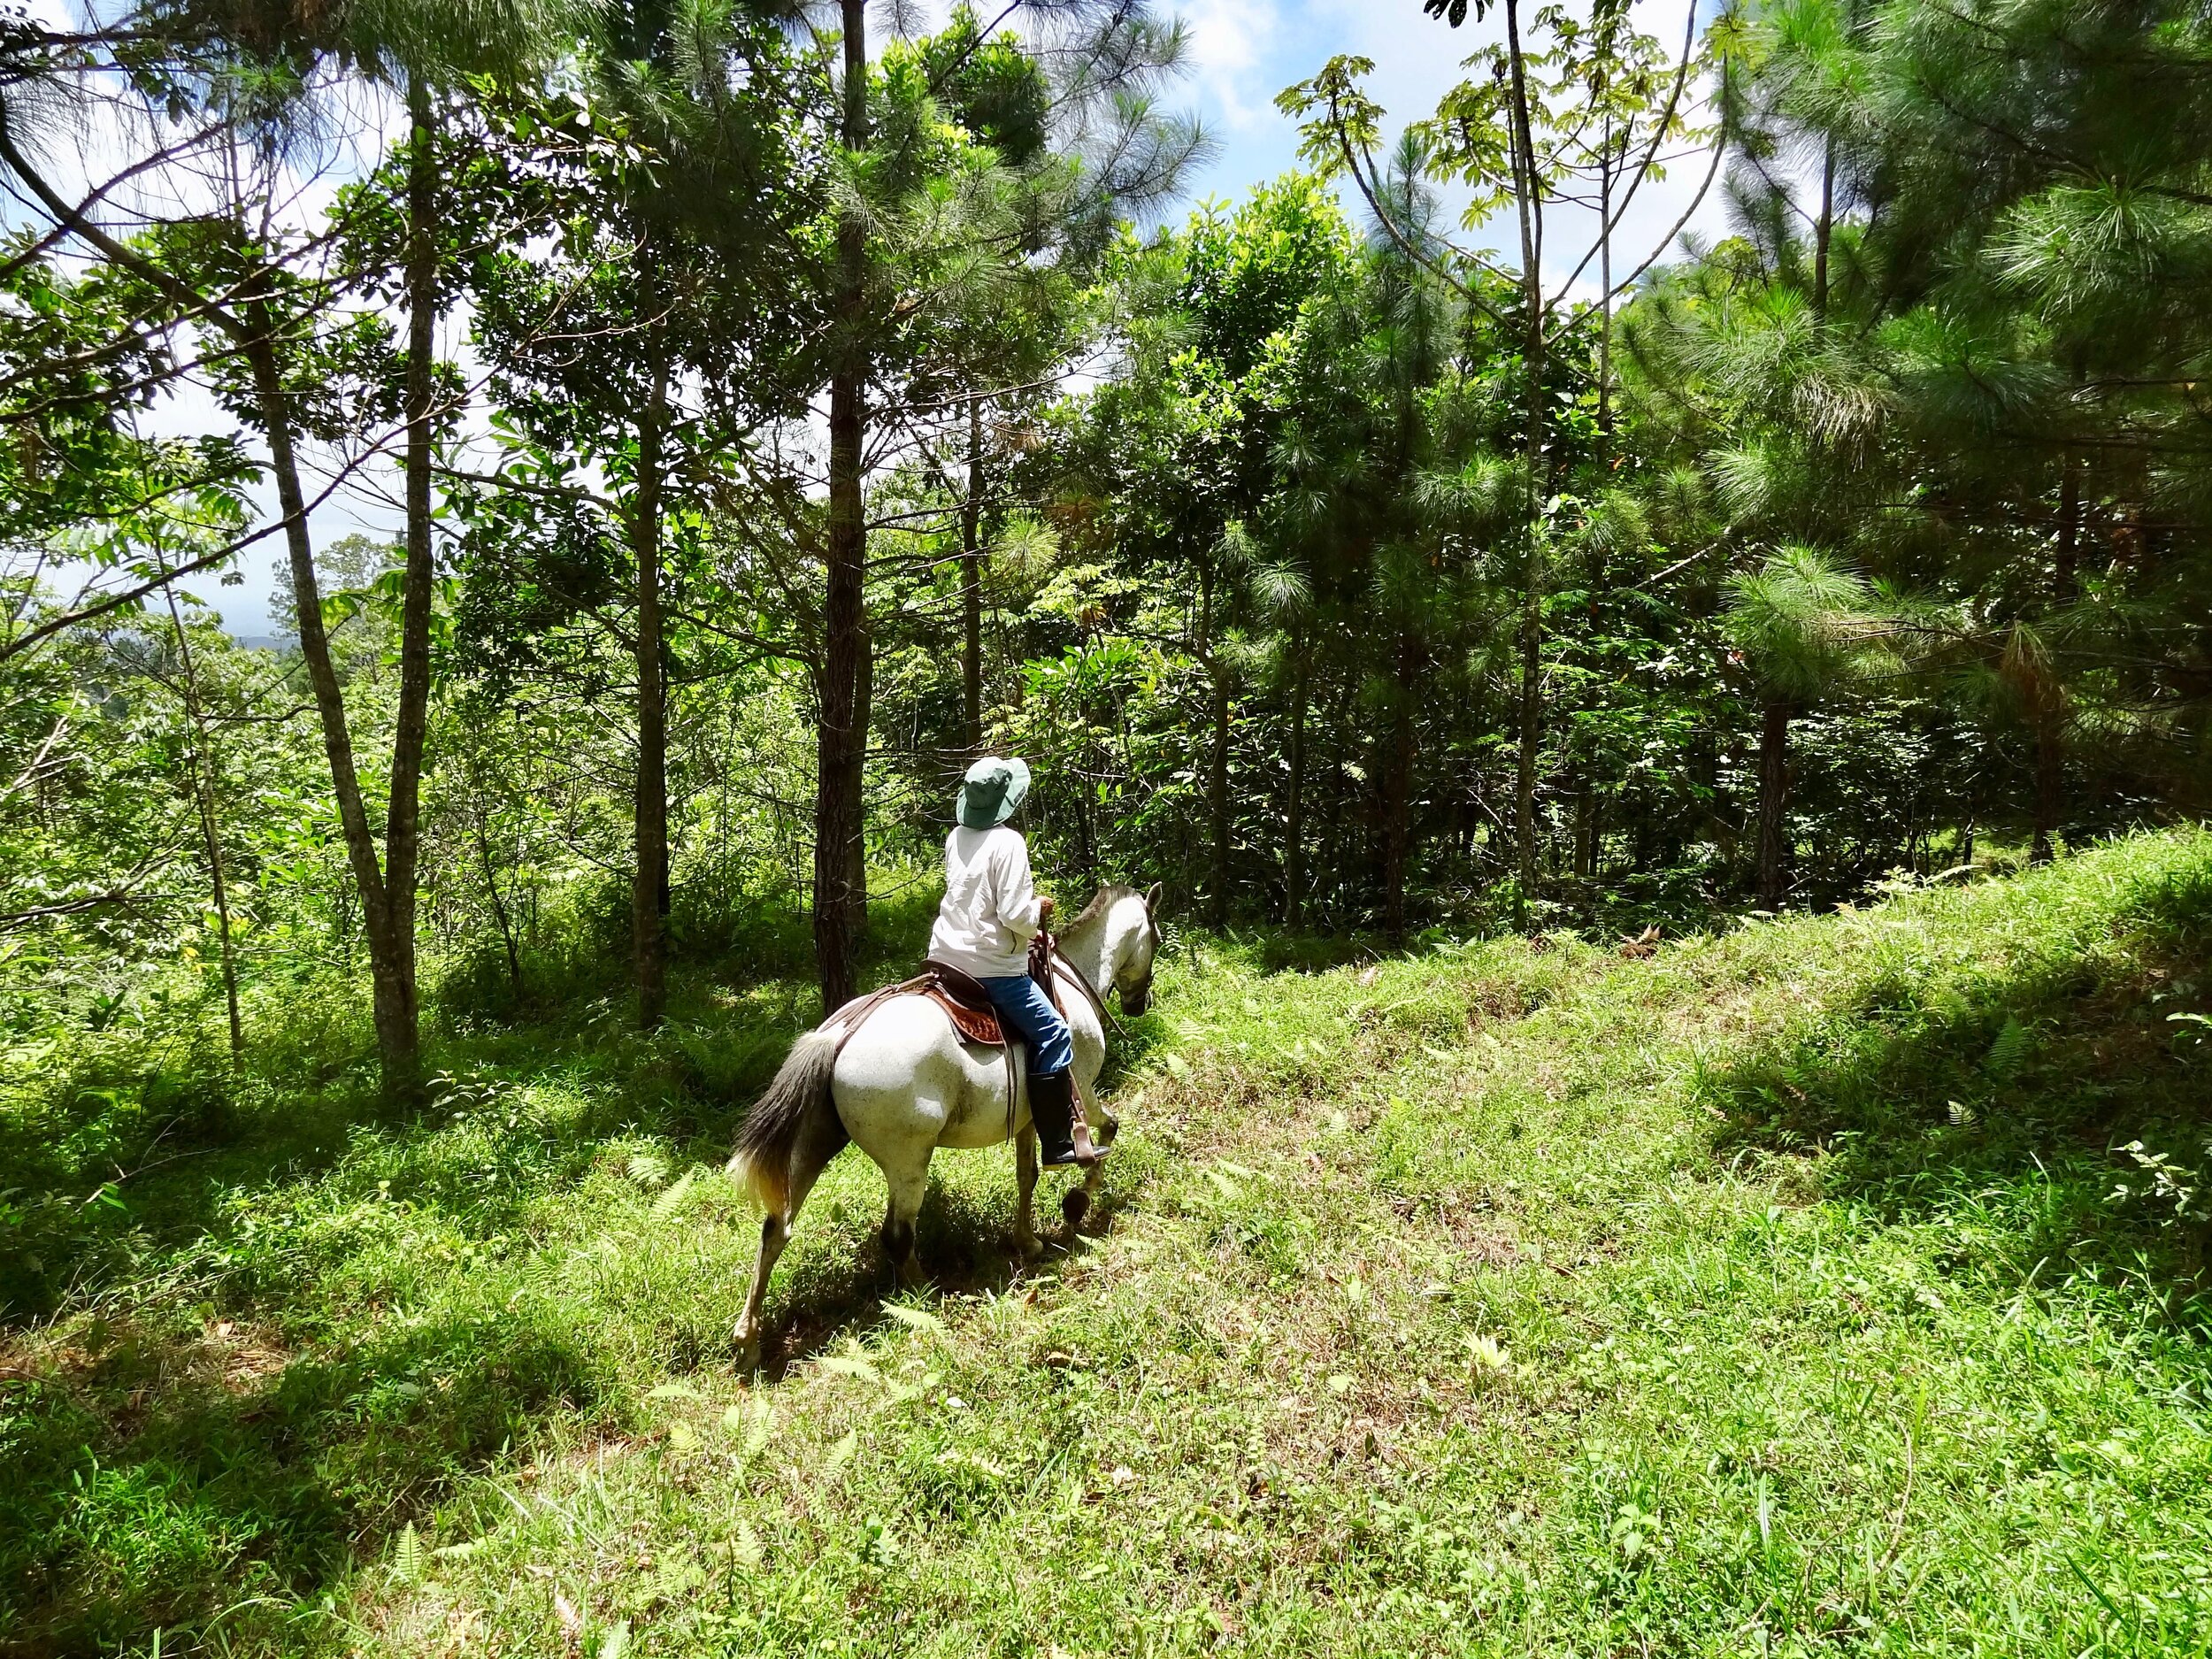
point(1097, 1001)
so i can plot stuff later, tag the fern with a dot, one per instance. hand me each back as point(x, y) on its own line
point(764, 1421)
point(407, 1557)
point(2009, 1054)
point(667, 1203)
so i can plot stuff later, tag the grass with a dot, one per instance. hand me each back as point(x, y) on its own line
point(1787, 1292)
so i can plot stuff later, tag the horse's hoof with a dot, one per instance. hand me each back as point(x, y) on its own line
point(1108, 1129)
point(1074, 1205)
point(745, 1359)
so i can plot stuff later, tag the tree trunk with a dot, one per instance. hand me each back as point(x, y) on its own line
point(1532, 713)
point(1824, 228)
point(971, 584)
point(500, 917)
point(1216, 852)
point(1397, 788)
point(1526, 188)
point(402, 817)
point(204, 798)
point(1217, 798)
point(2066, 563)
point(857, 844)
point(842, 745)
point(1340, 826)
point(1774, 783)
point(1605, 296)
point(391, 971)
point(2050, 781)
point(2050, 749)
point(1295, 809)
point(649, 882)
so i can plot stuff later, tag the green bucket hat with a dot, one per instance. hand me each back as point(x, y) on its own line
point(994, 792)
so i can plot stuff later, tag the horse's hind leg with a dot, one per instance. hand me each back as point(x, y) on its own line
point(775, 1232)
point(1027, 1244)
point(905, 1183)
point(810, 1153)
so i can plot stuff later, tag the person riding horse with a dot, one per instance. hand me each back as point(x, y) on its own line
point(892, 1073)
point(990, 913)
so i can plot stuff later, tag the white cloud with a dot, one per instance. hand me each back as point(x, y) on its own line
point(1226, 40)
point(1245, 55)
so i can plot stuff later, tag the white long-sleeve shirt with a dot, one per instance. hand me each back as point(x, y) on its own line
point(990, 911)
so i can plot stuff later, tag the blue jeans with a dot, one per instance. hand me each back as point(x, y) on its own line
point(1028, 1012)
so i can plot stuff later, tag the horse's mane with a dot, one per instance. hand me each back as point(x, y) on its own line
point(1104, 900)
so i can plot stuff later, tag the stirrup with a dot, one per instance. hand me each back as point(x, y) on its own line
point(1084, 1152)
point(1071, 1160)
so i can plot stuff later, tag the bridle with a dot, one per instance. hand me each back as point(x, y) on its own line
point(1142, 989)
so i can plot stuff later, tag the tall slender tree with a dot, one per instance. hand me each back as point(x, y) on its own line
point(1801, 621)
point(1519, 137)
point(1059, 139)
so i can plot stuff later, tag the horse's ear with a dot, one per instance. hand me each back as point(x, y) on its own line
point(1152, 897)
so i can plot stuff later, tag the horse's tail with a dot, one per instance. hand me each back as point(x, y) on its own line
point(798, 1099)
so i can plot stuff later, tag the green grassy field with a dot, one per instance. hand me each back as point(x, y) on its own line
point(1790, 1291)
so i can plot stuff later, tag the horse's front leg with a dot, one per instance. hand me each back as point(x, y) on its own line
point(1026, 1243)
point(1076, 1203)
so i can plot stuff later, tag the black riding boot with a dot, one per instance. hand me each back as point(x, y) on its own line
point(1062, 1136)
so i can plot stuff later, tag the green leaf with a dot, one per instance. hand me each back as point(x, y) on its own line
point(667, 1203)
point(2010, 1051)
point(763, 1420)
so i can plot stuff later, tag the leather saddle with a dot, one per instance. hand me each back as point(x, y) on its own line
point(966, 1004)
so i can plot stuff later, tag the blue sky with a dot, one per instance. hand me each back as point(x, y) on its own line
point(1246, 52)
point(1243, 52)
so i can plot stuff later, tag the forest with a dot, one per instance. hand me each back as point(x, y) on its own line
point(1671, 760)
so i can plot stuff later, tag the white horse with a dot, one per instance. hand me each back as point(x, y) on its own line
point(906, 1084)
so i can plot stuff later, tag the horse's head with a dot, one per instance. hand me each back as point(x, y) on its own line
point(1132, 959)
point(1114, 940)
